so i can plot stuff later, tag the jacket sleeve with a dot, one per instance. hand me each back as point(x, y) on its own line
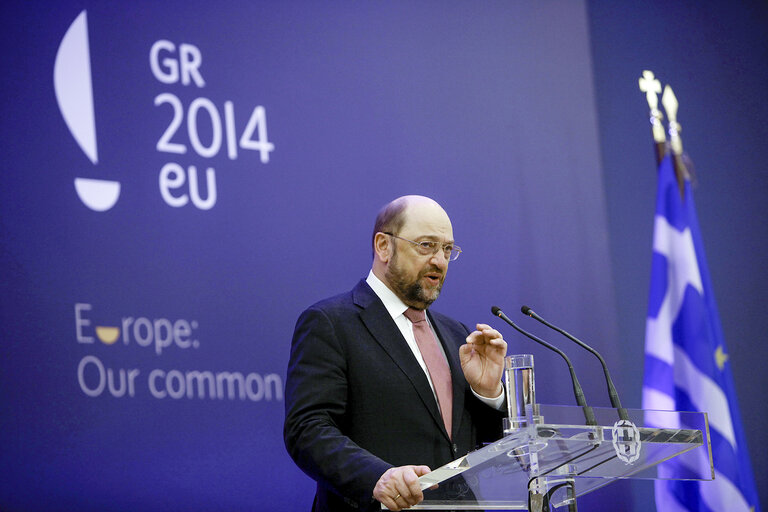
point(315, 405)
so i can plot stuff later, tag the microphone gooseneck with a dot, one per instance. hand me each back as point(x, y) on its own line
point(614, 396)
point(577, 390)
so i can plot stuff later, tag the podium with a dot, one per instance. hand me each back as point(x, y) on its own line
point(552, 454)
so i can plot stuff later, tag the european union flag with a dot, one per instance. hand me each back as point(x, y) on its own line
point(686, 361)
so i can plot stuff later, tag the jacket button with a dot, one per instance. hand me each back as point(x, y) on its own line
point(455, 448)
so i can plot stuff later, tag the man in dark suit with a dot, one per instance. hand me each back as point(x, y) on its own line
point(376, 396)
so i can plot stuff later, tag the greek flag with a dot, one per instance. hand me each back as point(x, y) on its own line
point(686, 361)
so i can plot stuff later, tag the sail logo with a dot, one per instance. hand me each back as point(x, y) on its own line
point(73, 86)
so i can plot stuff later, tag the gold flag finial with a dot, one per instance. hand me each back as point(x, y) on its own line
point(669, 101)
point(652, 88)
point(670, 106)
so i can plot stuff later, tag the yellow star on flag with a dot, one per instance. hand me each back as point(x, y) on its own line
point(720, 357)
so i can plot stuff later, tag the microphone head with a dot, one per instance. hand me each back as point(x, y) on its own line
point(495, 310)
point(526, 310)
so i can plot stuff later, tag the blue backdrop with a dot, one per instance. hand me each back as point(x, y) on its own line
point(229, 175)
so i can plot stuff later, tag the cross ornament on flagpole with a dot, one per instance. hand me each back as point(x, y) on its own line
point(652, 88)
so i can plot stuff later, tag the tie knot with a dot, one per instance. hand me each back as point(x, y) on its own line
point(415, 315)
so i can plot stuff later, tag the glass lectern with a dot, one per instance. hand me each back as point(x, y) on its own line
point(552, 454)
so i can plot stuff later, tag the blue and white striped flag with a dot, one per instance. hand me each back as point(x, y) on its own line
point(686, 362)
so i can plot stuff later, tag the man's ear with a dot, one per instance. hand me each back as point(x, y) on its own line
point(382, 246)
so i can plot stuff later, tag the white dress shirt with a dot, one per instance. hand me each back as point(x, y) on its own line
point(396, 307)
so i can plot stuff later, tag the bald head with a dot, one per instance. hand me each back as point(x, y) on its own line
point(393, 215)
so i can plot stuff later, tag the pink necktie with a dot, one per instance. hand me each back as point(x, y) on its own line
point(437, 365)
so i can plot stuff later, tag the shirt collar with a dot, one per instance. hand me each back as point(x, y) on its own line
point(395, 306)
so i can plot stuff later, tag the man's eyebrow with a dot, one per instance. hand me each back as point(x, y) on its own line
point(435, 238)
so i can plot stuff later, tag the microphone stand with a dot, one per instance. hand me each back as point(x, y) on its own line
point(578, 392)
point(614, 396)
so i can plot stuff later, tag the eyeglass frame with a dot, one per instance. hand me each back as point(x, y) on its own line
point(433, 246)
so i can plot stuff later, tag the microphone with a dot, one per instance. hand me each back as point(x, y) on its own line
point(577, 390)
point(614, 396)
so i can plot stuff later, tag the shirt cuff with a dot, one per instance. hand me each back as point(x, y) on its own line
point(497, 403)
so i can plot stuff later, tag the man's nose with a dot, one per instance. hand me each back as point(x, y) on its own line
point(440, 259)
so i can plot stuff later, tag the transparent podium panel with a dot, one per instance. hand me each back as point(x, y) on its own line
point(555, 453)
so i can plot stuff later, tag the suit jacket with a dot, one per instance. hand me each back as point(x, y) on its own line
point(358, 403)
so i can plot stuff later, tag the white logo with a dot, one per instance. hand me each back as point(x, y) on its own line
point(74, 93)
point(626, 441)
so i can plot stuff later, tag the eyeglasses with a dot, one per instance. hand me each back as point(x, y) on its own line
point(430, 247)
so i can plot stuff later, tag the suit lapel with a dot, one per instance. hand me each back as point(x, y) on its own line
point(384, 330)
